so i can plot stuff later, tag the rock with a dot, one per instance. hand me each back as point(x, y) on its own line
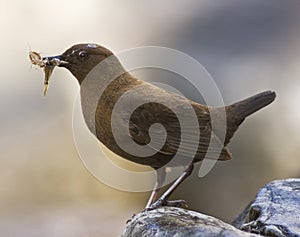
point(275, 211)
point(177, 222)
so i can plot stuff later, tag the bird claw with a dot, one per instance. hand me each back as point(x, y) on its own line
point(129, 220)
point(160, 203)
point(177, 203)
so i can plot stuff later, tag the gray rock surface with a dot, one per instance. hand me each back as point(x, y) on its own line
point(276, 210)
point(177, 222)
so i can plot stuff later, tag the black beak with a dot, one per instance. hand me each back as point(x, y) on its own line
point(55, 61)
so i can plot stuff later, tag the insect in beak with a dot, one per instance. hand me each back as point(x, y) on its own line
point(48, 63)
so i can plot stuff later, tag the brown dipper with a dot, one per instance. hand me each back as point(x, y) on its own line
point(99, 96)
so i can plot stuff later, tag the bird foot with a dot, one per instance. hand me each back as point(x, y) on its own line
point(129, 220)
point(161, 202)
point(177, 203)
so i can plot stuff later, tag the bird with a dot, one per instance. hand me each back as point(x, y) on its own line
point(101, 87)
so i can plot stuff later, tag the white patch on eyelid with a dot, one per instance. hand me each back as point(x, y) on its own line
point(92, 46)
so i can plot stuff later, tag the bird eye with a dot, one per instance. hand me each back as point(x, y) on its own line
point(82, 54)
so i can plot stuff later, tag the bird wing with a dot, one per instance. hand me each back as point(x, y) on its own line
point(171, 128)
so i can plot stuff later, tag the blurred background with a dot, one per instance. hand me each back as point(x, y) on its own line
point(247, 46)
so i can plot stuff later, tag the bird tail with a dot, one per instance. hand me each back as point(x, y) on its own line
point(244, 108)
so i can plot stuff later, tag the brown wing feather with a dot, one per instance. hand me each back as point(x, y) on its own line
point(190, 145)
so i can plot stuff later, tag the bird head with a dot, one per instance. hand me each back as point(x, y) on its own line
point(79, 59)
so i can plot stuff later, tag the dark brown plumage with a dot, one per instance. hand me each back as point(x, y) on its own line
point(100, 95)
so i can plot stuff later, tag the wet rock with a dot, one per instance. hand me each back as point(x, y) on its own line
point(275, 211)
point(171, 221)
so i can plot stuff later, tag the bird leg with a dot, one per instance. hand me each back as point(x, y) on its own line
point(160, 178)
point(163, 200)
